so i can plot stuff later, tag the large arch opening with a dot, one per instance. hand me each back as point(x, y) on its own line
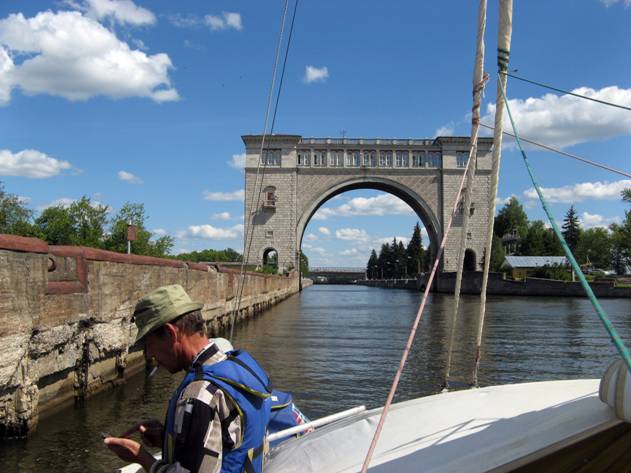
point(403, 265)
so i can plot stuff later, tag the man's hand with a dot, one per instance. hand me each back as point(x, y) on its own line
point(130, 451)
point(150, 432)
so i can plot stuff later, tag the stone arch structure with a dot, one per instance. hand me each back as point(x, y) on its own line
point(307, 172)
point(409, 196)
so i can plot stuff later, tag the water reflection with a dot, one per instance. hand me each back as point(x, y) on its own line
point(336, 347)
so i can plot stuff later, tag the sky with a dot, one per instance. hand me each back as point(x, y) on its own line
point(146, 101)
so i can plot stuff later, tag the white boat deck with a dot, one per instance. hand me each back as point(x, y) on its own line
point(489, 429)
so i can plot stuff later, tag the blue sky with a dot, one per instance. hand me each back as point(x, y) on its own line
point(163, 127)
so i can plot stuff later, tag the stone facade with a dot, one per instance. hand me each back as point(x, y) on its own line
point(65, 313)
point(296, 175)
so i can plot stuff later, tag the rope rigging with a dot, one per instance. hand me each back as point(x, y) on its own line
point(615, 338)
point(419, 314)
point(247, 242)
point(565, 153)
point(556, 89)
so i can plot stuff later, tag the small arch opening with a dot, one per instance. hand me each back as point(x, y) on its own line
point(469, 260)
point(270, 260)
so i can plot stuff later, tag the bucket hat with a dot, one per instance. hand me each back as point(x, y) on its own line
point(161, 306)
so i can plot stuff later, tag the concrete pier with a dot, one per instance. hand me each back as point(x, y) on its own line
point(66, 330)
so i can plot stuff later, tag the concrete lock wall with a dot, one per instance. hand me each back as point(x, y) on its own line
point(66, 328)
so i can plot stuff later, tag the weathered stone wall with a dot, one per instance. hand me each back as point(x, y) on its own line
point(66, 328)
point(472, 284)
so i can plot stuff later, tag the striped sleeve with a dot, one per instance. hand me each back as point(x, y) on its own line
point(207, 425)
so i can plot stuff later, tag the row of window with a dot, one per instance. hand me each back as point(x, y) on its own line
point(337, 158)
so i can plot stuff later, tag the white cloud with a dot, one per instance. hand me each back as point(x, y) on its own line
point(567, 120)
point(237, 161)
point(324, 231)
point(352, 252)
point(62, 201)
point(208, 232)
point(224, 196)
point(67, 202)
point(221, 216)
point(30, 163)
point(69, 55)
point(315, 74)
point(227, 20)
point(499, 201)
point(382, 204)
point(594, 220)
point(184, 21)
point(351, 234)
point(608, 3)
point(311, 237)
point(319, 251)
point(129, 177)
point(120, 11)
point(446, 130)
point(581, 191)
point(159, 232)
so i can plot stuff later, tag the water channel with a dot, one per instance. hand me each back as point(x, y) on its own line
point(336, 347)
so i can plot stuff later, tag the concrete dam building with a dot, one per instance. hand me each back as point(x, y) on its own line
point(290, 177)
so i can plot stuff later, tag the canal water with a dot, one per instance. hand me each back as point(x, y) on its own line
point(336, 347)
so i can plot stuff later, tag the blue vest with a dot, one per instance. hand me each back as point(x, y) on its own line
point(243, 381)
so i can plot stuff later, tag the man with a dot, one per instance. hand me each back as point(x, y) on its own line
point(205, 429)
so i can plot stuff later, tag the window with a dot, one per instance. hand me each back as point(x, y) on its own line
point(385, 159)
point(319, 158)
point(271, 157)
point(269, 197)
point(461, 159)
point(434, 159)
point(370, 159)
point(269, 234)
point(353, 159)
point(402, 159)
point(336, 158)
point(304, 157)
point(417, 158)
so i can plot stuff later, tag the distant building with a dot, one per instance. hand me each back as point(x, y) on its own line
point(521, 267)
point(511, 242)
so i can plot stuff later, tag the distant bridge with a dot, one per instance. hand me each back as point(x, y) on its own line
point(336, 275)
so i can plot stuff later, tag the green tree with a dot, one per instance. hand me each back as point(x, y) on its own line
point(304, 264)
point(497, 254)
point(211, 256)
point(144, 245)
point(56, 225)
point(400, 260)
point(81, 223)
point(534, 242)
point(595, 247)
point(551, 244)
point(15, 217)
point(372, 267)
point(511, 217)
point(621, 238)
point(415, 253)
point(383, 261)
point(571, 229)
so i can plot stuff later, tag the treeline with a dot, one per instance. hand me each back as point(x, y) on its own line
point(84, 223)
point(87, 223)
point(599, 247)
point(395, 260)
point(225, 256)
point(604, 248)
